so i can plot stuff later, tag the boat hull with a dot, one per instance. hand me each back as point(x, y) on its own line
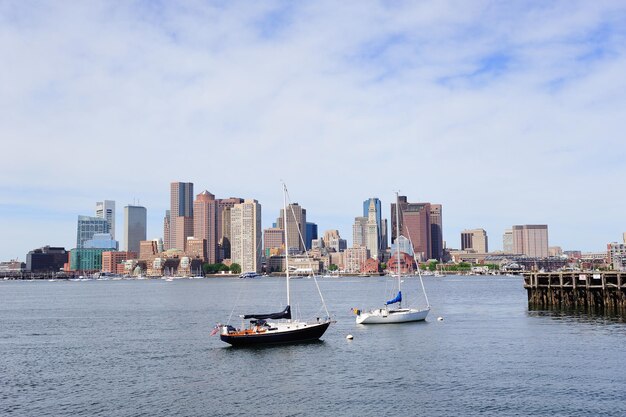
point(383, 316)
point(286, 334)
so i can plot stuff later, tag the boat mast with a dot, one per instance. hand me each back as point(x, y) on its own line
point(398, 244)
point(286, 243)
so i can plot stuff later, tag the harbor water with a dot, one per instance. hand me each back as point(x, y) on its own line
point(143, 348)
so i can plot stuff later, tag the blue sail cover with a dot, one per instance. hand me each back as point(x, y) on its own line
point(395, 300)
point(285, 314)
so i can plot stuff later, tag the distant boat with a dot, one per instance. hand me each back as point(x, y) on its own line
point(250, 275)
point(274, 328)
point(392, 311)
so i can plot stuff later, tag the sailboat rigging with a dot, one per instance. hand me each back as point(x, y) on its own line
point(393, 314)
point(274, 328)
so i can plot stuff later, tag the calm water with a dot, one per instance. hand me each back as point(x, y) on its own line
point(142, 348)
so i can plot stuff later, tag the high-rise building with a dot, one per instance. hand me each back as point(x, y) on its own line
point(311, 233)
point(183, 229)
point(414, 224)
point(436, 231)
point(50, 259)
point(106, 210)
point(135, 227)
point(381, 224)
point(205, 223)
point(181, 205)
point(274, 241)
point(531, 240)
point(359, 232)
point(87, 227)
point(373, 229)
point(333, 241)
point(223, 226)
point(296, 227)
point(246, 235)
point(167, 229)
point(474, 239)
point(101, 241)
point(507, 241)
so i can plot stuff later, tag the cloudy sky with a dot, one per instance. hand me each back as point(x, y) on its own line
point(504, 112)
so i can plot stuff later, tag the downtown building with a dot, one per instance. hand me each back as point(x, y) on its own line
point(205, 225)
point(178, 221)
point(474, 240)
point(224, 236)
point(106, 210)
point(415, 224)
point(531, 240)
point(135, 227)
point(296, 228)
point(245, 223)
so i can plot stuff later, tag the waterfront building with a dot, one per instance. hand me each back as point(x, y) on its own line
point(135, 227)
point(373, 230)
point(86, 259)
point(403, 244)
point(355, 258)
point(205, 223)
point(273, 242)
point(197, 249)
point(531, 240)
point(87, 227)
point(113, 261)
point(616, 253)
point(148, 249)
point(474, 239)
point(223, 222)
point(101, 241)
point(311, 234)
point(436, 231)
point(245, 226)
point(46, 259)
point(296, 227)
point(414, 223)
point(507, 241)
point(181, 205)
point(555, 251)
point(106, 210)
point(13, 266)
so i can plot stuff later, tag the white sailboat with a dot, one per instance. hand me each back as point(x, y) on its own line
point(275, 328)
point(392, 311)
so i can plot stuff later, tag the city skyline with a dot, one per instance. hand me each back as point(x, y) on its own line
point(504, 114)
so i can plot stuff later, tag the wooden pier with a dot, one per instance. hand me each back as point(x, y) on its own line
point(599, 291)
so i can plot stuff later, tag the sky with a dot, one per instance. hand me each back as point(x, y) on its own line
point(503, 112)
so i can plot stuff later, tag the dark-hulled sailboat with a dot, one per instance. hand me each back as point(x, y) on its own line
point(276, 328)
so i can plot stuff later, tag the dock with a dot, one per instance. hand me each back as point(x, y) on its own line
point(596, 290)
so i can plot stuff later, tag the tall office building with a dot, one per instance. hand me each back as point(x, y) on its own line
point(296, 227)
point(507, 241)
point(531, 240)
point(359, 231)
point(246, 235)
point(106, 210)
point(223, 226)
point(205, 223)
point(183, 230)
point(273, 241)
point(311, 234)
point(474, 239)
point(135, 227)
point(436, 231)
point(87, 227)
point(181, 205)
point(414, 224)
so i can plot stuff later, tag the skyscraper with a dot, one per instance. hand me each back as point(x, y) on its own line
point(531, 240)
point(181, 205)
point(414, 224)
point(296, 227)
point(507, 241)
point(311, 234)
point(106, 210)
point(223, 226)
point(205, 223)
point(359, 231)
point(135, 227)
point(373, 229)
point(246, 235)
point(89, 226)
point(436, 231)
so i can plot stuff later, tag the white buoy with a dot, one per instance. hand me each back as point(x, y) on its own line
point(349, 337)
point(439, 318)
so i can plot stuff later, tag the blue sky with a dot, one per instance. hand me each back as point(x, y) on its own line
point(504, 112)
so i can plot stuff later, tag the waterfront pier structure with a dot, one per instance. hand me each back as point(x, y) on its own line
point(598, 290)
